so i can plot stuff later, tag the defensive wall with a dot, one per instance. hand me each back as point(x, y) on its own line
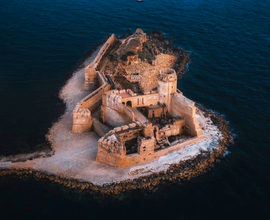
point(185, 108)
point(121, 101)
point(113, 111)
point(112, 150)
point(177, 104)
point(91, 69)
point(174, 127)
point(150, 140)
point(119, 108)
point(82, 120)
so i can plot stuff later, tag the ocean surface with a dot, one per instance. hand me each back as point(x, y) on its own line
point(40, 45)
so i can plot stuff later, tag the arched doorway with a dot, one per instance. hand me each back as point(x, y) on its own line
point(129, 103)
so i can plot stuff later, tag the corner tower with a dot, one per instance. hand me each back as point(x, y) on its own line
point(167, 86)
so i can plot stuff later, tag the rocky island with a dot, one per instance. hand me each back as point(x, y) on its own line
point(126, 124)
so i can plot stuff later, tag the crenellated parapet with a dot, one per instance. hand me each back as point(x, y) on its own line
point(167, 75)
point(114, 136)
point(134, 127)
point(82, 121)
point(112, 144)
point(185, 108)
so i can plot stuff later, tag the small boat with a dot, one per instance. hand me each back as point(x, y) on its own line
point(140, 0)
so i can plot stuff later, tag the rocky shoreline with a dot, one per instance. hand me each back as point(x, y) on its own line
point(178, 172)
point(181, 171)
point(164, 45)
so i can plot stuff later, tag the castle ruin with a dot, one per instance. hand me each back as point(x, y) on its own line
point(134, 104)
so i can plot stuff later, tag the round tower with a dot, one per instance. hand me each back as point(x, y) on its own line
point(167, 86)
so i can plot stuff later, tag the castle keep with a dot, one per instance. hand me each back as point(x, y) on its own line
point(135, 106)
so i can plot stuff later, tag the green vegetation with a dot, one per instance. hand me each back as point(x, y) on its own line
point(128, 53)
point(146, 55)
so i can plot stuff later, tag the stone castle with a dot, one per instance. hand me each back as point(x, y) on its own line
point(137, 118)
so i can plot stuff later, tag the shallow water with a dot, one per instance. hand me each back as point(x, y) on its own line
point(41, 42)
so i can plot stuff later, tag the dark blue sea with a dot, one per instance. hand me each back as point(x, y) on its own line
point(41, 42)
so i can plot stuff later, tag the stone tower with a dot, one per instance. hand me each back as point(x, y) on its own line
point(167, 86)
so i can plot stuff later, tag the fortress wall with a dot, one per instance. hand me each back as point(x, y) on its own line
point(90, 103)
point(113, 97)
point(124, 107)
point(90, 70)
point(129, 113)
point(102, 80)
point(142, 100)
point(93, 100)
point(172, 129)
point(113, 111)
point(118, 117)
point(184, 107)
point(90, 76)
point(113, 100)
point(110, 150)
point(146, 146)
point(81, 121)
point(100, 128)
point(178, 146)
point(105, 97)
point(106, 157)
point(118, 160)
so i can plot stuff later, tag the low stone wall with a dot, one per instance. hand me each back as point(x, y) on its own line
point(142, 100)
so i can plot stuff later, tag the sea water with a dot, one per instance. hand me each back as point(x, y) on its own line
point(229, 43)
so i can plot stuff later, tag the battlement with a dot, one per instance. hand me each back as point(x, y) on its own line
point(167, 75)
point(135, 127)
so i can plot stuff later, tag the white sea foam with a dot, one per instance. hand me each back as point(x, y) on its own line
point(72, 92)
point(212, 136)
point(75, 153)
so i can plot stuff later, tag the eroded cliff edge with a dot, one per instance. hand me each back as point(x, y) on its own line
point(70, 165)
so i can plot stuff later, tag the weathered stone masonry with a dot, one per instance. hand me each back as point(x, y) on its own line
point(91, 69)
point(145, 125)
point(149, 139)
